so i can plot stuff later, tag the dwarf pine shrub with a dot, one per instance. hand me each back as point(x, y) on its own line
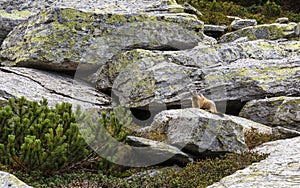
point(36, 137)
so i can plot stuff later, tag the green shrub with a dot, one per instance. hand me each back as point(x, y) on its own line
point(271, 9)
point(254, 138)
point(106, 135)
point(36, 137)
point(264, 11)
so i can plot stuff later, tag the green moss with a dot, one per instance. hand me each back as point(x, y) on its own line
point(16, 14)
point(117, 19)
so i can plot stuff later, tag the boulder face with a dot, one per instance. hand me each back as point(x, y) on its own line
point(198, 132)
point(89, 5)
point(15, 12)
point(36, 85)
point(266, 31)
point(279, 169)
point(242, 23)
point(225, 72)
point(62, 38)
point(158, 151)
point(277, 111)
point(9, 20)
point(253, 79)
point(154, 80)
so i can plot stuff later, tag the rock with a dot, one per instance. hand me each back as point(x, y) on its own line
point(228, 72)
point(282, 20)
point(265, 31)
point(199, 132)
point(14, 12)
point(281, 132)
point(36, 84)
point(154, 80)
point(242, 23)
point(11, 181)
point(10, 20)
point(233, 17)
point(276, 111)
point(62, 38)
point(112, 6)
point(215, 31)
point(280, 169)
point(248, 79)
point(159, 151)
point(191, 10)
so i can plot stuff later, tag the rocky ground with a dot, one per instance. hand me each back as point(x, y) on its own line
point(150, 57)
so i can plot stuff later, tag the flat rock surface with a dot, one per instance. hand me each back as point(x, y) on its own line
point(10, 181)
point(281, 169)
point(275, 111)
point(35, 85)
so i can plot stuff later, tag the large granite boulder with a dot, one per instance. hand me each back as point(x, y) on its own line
point(10, 181)
point(62, 38)
point(111, 6)
point(279, 169)
point(277, 111)
point(15, 12)
point(265, 31)
point(248, 79)
point(198, 132)
point(227, 72)
point(56, 88)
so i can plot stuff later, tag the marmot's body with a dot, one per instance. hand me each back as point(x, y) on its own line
point(199, 101)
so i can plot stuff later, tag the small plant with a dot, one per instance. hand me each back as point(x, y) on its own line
point(271, 9)
point(254, 138)
point(36, 137)
point(106, 135)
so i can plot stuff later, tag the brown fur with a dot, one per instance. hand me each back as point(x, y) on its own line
point(199, 101)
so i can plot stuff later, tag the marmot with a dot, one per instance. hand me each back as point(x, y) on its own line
point(199, 101)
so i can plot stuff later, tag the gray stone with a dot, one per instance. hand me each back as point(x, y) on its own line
point(10, 181)
point(265, 31)
point(282, 20)
point(215, 31)
point(62, 38)
point(36, 85)
point(224, 72)
point(159, 150)
point(248, 79)
point(15, 12)
point(281, 132)
point(277, 111)
point(10, 20)
point(242, 23)
point(199, 132)
point(111, 6)
point(280, 169)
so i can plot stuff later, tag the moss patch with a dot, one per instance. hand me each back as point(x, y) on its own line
point(16, 14)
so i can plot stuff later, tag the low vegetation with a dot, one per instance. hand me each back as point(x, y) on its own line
point(255, 138)
point(264, 11)
point(43, 147)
